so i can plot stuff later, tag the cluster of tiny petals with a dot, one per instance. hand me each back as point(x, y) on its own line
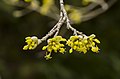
point(83, 43)
point(32, 43)
point(54, 45)
point(80, 43)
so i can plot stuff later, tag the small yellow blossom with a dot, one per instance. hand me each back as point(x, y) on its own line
point(54, 45)
point(83, 43)
point(32, 43)
point(95, 49)
point(48, 56)
point(71, 50)
point(96, 40)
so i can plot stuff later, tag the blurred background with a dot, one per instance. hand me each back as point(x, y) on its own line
point(18, 64)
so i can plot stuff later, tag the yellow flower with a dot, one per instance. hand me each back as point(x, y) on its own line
point(83, 49)
point(77, 43)
point(96, 40)
point(48, 56)
point(71, 50)
point(83, 43)
point(62, 50)
point(95, 49)
point(92, 36)
point(32, 43)
point(54, 45)
point(44, 48)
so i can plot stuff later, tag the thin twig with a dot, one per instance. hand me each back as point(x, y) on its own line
point(67, 19)
point(94, 13)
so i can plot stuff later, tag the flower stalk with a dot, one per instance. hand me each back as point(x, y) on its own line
point(77, 42)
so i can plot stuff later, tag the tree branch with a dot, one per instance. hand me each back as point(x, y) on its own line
point(92, 14)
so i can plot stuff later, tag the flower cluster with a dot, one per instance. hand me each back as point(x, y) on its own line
point(83, 43)
point(80, 43)
point(54, 45)
point(32, 43)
